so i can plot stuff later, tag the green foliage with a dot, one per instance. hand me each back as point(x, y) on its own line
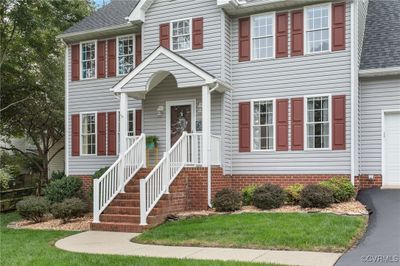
point(100, 172)
point(269, 196)
point(293, 193)
point(57, 175)
point(343, 190)
point(60, 189)
point(5, 178)
point(68, 209)
point(152, 139)
point(247, 195)
point(316, 196)
point(227, 200)
point(33, 208)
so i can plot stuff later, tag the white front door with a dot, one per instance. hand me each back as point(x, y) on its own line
point(391, 145)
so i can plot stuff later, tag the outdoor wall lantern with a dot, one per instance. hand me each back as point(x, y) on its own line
point(160, 110)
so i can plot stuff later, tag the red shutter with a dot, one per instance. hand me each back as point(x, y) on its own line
point(138, 49)
point(75, 136)
point(339, 122)
point(338, 26)
point(138, 122)
point(282, 35)
point(75, 62)
point(112, 59)
point(282, 122)
point(101, 59)
point(197, 33)
point(244, 39)
point(101, 133)
point(112, 133)
point(244, 127)
point(297, 123)
point(297, 32)
point(164, 35)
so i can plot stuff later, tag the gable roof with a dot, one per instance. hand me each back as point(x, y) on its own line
point(111, 15)
point(381, 46)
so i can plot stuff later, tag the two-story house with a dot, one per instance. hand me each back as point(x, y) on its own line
point(237, 93)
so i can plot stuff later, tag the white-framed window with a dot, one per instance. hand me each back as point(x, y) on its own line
point(262, 36)
point(317, 21)
point(88, 60)
point(181, 37)
point(318, 122)
point(125, 52)
point(88, 133)
point(131, 125)
point(263, 125)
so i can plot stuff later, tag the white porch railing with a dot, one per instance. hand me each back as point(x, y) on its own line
point(113, 181)
point(215, 150)
point(194, 148)
point(131, 139)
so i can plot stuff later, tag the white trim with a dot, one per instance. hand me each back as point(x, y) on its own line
point(305, 26)
point(273, 14)
point(134, 125)
point(66, 114)
point(80, 133)
point(354, 116)
point(305, 118)
point(273, 124)
point(133, 52)
point(208, 79)
point(169, 104)
point(190, 34)
point(139, 12)
point(86, 33)
point(383, 112)
point(80, 60)
point(379, 72)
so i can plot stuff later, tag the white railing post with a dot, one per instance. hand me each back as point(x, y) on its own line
point(144, 155)
point(185, 149)
point(96, 197)
point(166, 172)
point(143, 202)
point(121, 174)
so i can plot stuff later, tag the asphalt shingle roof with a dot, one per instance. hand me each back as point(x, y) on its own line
point(113, 14)
point(381, 47)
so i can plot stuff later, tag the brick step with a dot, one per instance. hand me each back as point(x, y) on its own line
point(129, 195)
point(128, 218)
point(122, 210)
point(125, 203)
point(132, 188)
point(119, 227)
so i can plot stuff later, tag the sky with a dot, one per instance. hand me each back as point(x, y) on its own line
point(99, 3)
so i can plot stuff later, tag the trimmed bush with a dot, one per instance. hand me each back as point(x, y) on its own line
point(341, 187)
point(64, 188)
point(100, 172)
point(247, 195)
point(33, 208)
point(293, 193)
point(57, 175)
point(68, 209)
point(227, 200)
point(268, 197)
point(316, 196)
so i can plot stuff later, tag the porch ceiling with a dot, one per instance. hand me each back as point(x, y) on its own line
point(157, 66)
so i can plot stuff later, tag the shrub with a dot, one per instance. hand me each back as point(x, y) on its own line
point(64, 188)
point(341, 187)
point(293, 193)
point(268, 197)
point(316, 196)
point(33, 208)
point(57, 175)
point(100, 172)
point(247, 195)
point(227, 200)
point(5, 178)
point(68, 209)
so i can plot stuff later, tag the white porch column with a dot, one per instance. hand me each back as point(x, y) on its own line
point(123, 122)
point(206, 124)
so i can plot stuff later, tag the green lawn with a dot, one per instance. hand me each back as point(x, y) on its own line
point(293, 231)
point(35, 247)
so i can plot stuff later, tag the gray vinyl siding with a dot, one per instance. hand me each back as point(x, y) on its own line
point(164, 11)
point(376, 95)
point(155, 124)
point(91, 96)
point(327, 73)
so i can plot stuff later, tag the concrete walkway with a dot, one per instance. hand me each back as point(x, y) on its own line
point(98, 242)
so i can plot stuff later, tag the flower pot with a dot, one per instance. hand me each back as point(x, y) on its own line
point(150, 145)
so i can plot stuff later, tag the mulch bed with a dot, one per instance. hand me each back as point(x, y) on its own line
point(79, 224)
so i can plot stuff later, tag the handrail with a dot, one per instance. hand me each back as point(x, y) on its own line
point(113, 181)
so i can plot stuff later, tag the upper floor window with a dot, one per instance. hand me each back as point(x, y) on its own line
point(125, 54)
point(318, 122)
point(88, 60)
point(317, 28)
point(263, 125)
point(88, 133)
point(181, 34)
point(262, 36)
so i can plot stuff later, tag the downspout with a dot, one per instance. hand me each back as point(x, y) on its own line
point(66, 137)
point(209, 153)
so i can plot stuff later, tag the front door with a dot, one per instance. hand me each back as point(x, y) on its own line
point(181, 120)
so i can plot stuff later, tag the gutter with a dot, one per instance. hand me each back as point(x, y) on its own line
point(379, 72)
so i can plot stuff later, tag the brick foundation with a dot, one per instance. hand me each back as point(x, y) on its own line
point(362, 181)
point(87, 183)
